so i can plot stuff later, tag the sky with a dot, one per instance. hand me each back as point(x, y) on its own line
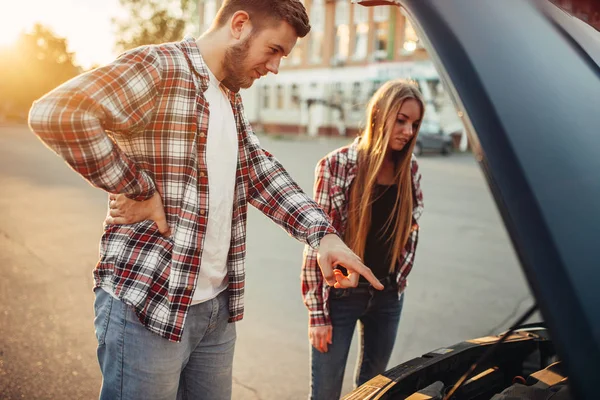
point(86, 24)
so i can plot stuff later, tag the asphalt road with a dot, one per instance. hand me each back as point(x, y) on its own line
point(466, 281)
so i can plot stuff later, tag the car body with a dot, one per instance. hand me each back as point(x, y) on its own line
point(432, 139)
point(525, 76)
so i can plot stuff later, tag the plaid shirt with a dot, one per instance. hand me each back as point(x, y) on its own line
point(333, 176)
point(137, 126)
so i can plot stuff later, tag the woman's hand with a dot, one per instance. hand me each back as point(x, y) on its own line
point(320, 337)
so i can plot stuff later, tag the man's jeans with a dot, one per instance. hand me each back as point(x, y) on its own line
point(378, 314)
point(138, 364)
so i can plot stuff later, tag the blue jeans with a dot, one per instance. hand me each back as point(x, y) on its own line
point(139, 364)
point(378, 315)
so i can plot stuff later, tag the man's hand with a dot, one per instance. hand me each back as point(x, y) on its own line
point(123, 210)
point(320, 337)
point(333, 252)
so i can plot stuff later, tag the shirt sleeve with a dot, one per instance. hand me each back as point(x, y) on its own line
point(417, 191)
point(311, 278)
point(74, 118)
point(275, 194)
point(409, 251)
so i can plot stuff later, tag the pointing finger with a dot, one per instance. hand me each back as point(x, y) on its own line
point(359, 268)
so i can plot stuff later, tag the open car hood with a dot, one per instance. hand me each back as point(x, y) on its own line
point(527, 79)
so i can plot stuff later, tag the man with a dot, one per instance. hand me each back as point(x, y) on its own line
point(162, 129)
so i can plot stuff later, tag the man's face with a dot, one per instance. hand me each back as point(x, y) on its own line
point(258, 54)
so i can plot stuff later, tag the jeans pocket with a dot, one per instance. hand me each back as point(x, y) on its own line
point(102, 308)
point(339, 293)
point(131, 316)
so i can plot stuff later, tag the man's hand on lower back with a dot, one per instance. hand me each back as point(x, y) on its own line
point(123, 210)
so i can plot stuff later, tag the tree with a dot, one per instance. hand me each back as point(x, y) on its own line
point(153, 22)
point(37, 63)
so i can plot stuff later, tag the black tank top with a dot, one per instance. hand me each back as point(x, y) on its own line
point(378, 249)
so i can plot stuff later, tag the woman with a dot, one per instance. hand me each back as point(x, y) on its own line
point(371, 191)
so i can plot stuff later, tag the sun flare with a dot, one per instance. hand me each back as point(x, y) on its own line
point(86, 24)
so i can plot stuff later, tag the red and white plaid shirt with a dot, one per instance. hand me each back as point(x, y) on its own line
point(150, 102)
point(333, 176)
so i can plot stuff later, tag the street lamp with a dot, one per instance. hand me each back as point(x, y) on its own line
point(410, 46)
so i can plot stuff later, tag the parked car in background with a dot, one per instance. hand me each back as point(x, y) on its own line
point(432, 139)
point(525, 78)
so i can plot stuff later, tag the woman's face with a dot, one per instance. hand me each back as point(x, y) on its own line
point(405, 124)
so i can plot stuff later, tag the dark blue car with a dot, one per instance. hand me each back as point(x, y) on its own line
point(525, 76)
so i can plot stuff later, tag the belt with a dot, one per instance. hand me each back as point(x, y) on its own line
point(389, 283)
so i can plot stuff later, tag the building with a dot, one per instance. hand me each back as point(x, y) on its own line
point(324, 85)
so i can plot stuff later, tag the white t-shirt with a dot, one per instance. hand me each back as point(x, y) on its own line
point(221, 160)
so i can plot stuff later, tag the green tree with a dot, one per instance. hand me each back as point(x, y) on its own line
point(37, 63)
point(153, 22)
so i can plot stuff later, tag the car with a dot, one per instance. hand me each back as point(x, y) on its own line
point(431, 138)
point(525, 77)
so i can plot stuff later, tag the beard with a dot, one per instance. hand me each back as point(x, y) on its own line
point(234, 65)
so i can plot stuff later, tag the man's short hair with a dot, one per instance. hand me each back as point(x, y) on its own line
point(267, 12)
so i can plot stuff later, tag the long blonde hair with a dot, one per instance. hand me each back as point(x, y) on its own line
point(372, 148)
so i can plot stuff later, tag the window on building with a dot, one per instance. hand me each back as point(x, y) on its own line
point(265, 97)
point(356, 96)
point(411, 40)
point(376, 84)
point(280, 97)
point(295, 96)
point(337, 88)
point(361, 25)
point(317, 21)
point(381, 26)
point(382, 14)
point(337, 93)
point(297, 54)
point(342, 34)
point(316, 47)
point(381, 40)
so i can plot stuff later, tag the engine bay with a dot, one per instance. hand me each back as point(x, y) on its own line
point(524, 366)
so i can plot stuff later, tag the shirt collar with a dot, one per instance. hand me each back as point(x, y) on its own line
point(197, 64)
point(199, 67)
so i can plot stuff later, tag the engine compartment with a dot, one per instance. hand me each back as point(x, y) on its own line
point(524, 366)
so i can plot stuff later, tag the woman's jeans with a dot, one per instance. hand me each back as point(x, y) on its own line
point(378, 314)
